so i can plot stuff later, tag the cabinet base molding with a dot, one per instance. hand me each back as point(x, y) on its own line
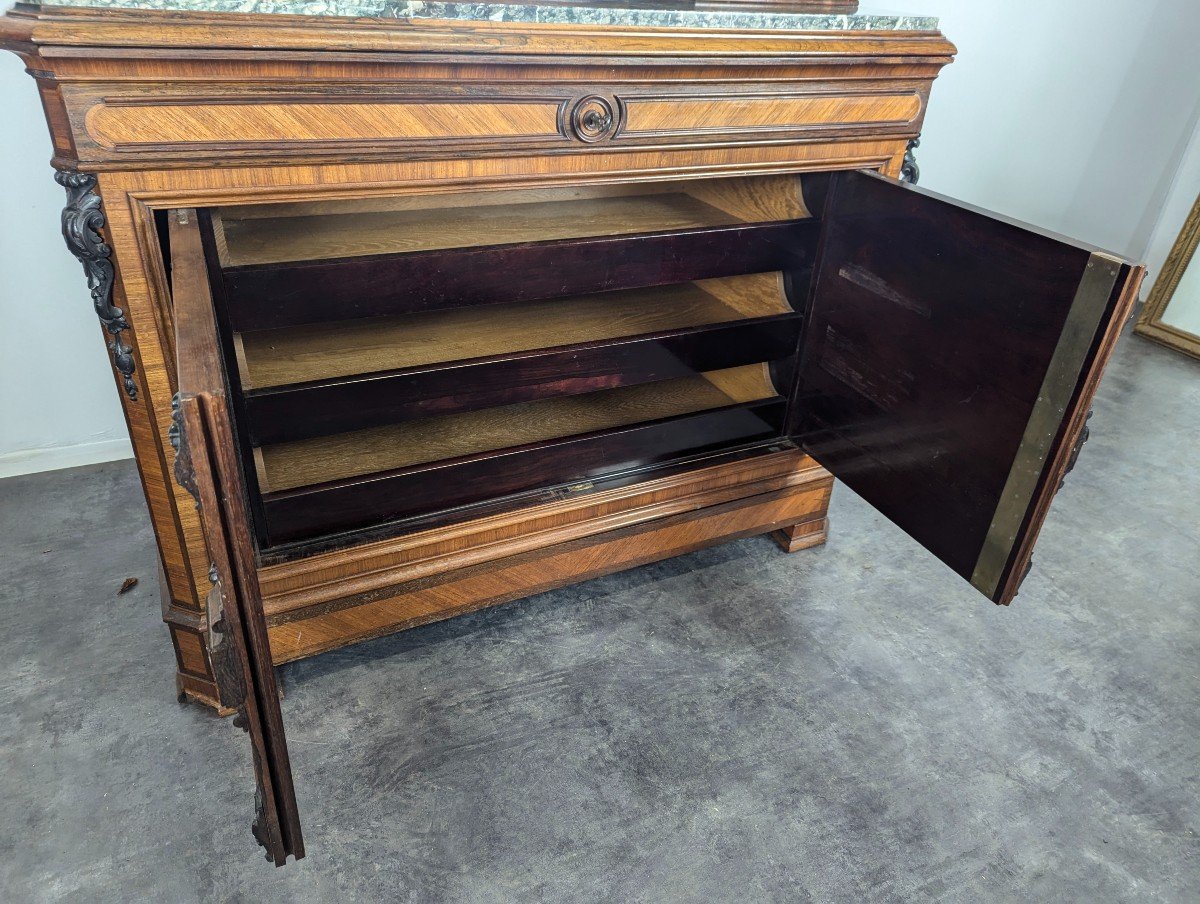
point(451, 593)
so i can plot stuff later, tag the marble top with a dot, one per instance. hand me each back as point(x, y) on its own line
point(598, 14)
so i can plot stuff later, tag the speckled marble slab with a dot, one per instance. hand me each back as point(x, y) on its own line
point(499, 12)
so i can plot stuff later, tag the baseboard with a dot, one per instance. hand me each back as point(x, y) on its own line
point(31, 461)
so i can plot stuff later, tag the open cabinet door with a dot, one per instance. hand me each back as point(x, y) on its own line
point(948, 364)
point(206, 465)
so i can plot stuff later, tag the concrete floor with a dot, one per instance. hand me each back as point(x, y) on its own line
point(845, 724)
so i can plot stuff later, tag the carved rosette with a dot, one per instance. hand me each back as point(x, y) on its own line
point(592, 119)
point(82, 220)
point(910, 172)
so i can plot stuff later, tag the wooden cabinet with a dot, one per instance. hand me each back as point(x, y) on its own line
point(429, 316)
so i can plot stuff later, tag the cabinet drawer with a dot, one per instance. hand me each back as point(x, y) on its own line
point(290, 293)
point(299, 411)
point(533, 467)
point(406, 121)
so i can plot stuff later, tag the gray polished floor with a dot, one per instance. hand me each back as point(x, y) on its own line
point(844, 724)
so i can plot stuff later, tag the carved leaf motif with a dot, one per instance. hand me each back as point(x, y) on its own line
point(82, 220)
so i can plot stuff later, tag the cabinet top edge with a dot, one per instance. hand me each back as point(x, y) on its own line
point(604, 13)
point(30, 26)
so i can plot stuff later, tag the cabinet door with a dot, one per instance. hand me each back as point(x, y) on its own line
point(948, 364)
point(206, 464)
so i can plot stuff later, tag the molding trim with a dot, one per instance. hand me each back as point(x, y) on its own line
point(55, 458)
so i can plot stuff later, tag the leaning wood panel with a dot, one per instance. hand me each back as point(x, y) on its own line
point(207, 466)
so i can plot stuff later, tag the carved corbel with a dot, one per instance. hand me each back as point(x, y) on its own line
point(909, 171)
point(82, 220)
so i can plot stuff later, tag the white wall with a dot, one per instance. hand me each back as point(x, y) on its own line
point(58, 403)
point(1072, 114)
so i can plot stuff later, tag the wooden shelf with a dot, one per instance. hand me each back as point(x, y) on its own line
point(277, 233)
point(281, 239)
point(274, 296)
point(271, 358)
point(344, 456)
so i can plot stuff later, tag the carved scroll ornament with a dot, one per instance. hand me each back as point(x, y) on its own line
point(82, 220)
point(910, 172)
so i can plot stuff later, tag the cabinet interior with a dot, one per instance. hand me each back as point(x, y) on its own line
point(397, 361)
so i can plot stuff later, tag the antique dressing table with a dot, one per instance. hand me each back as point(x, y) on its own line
point(432, 306)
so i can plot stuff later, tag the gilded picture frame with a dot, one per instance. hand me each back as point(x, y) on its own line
point(1151, 324)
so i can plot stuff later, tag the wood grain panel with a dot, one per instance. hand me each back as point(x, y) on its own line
point(744, 115)
point(496, 583)
point(263, 240)
point(132, 126)
point(193, 657)
point(359, 571)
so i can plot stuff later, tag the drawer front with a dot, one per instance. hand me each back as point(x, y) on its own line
point(214, 124)
point(113, 124)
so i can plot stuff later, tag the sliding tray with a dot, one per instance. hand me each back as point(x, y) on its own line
point(660, 240)
point(353, 480)
point(308, 381)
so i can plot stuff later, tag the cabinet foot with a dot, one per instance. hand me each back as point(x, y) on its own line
point(189, 689)
point(805, 535)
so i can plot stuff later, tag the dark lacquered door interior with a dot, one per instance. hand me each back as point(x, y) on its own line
point(949, 360)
